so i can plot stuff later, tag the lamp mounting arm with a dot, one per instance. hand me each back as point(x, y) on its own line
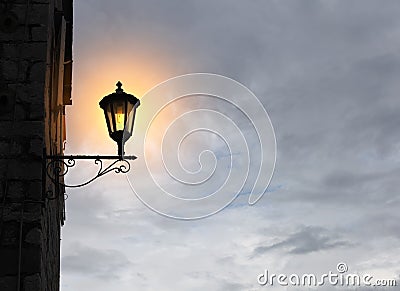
point(57, 167)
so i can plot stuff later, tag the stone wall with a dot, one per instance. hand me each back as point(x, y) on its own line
point(35, 85)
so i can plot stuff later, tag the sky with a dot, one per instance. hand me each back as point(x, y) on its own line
point(327, 74)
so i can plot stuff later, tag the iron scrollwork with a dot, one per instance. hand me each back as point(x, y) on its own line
point(58, 167)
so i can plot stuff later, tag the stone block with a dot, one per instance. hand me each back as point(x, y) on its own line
point(3, 167)
point(32, 212)
point(2, 188)
point(10, 50)
point(7, 102)
point(34, 236)
point(22, 128)
point(20, 112)
point(8, 283)
point(34, 190)
point(15, 190)
point(18, 12)
point(4, 147)
point(36, 71)
point(22, 70)
point(36, 111)
point(12, 212)
point(9, 69)
point(27, 170)
point(14, 69)
point(9, 22)
point(31, 92)
point(14, 37)
point(39, 33)
point(34, 51)
point(39, 13)
point(36, 147)
point(18, 146)
point(10, 234)
point(32, 282)
point(30, 263)
point(6, 116)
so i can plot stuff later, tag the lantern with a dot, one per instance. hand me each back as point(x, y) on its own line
point(119, 111)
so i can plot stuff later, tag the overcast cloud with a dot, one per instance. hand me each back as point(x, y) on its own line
point(328, 74)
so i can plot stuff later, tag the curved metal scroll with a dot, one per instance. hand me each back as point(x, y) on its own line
point(58, 167)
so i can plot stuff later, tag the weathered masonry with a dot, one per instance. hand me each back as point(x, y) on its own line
point(35, 87)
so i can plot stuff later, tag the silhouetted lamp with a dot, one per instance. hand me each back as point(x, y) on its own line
point(119, 111)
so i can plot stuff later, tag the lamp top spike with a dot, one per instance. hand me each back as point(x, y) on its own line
point(119, 85)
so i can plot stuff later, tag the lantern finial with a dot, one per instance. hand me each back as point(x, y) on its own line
point(119, 85)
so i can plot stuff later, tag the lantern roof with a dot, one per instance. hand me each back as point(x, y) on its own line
point(118, 95)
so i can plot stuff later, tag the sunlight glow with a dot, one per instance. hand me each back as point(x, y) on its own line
point(95, 76)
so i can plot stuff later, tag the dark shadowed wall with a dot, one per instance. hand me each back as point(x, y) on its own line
point(35, 87)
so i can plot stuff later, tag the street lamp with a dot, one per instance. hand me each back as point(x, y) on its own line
point(119, 111)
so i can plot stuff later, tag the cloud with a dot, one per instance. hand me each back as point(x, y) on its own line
point(309, 239)
point(89, 261)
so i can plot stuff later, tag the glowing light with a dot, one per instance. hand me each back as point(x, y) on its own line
point(120, 117)
point(120, 120)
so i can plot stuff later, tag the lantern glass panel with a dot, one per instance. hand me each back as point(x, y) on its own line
point(110, 121)
point(131, 116)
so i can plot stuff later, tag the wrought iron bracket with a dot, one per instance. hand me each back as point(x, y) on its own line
point(57, 167)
